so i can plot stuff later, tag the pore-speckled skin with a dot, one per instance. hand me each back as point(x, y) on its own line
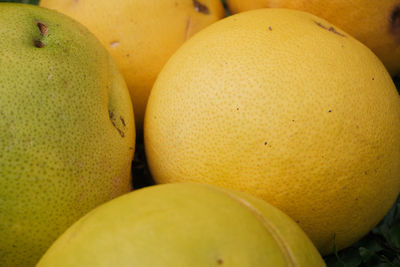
point(61, 111)
point(281, 104)
point(376, 23)
point(141, 35)
point(181, 225)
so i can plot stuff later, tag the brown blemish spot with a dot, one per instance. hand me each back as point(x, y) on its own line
point(220, 261)
point(265, 143)
point(119, 130)
point(38, 43)
point(373, 78)
point(112, 118)
point(199, 7)
point(270, 28)
point(329, 111)
point(395, 22)
point(111, 114)
point(122, 120)
point(331, 29)
point(44, 30)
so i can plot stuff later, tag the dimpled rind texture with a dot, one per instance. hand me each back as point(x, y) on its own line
point(374, 23)
point(183, 225)
point(141, 35)
point(62, 150)
point(283, 105)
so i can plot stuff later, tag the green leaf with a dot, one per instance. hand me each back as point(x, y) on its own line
point(393, 236)
point(366, 254)
point(346, 258)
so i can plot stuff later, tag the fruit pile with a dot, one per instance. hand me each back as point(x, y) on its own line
point(270, 137)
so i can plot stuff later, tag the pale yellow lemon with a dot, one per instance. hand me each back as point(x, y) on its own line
point(141, 35)
point(374, 23)
point(283, 105)
point(182, 225)
point(66, 129)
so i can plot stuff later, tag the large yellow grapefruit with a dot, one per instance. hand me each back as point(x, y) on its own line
point(182, 225)
point(375, 23)
point(141, 35)
point(281, 104)
point(67, 129)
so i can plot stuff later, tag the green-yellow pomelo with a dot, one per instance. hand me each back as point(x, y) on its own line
point(183, 225)
point(66, 129)
point(283, 105)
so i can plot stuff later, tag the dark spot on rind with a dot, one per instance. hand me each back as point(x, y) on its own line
point(122, 120)
point(331, 29)
point(265, 143)
point(329, 111)
point(220, 261)
point(38, 43)
point(44, 30)
point(111, 114)
point(395, 22)
point(269, 28)
point(199, 7)
point(112, 118)
point(373, 78)
point(119, 131)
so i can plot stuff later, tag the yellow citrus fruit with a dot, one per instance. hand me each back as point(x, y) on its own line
point(141, 35)
point(374, 23)
point(281, 104)
point(66, 129)
point(183, 225)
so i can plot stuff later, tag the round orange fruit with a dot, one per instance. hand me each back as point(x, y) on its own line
point(283, 105)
